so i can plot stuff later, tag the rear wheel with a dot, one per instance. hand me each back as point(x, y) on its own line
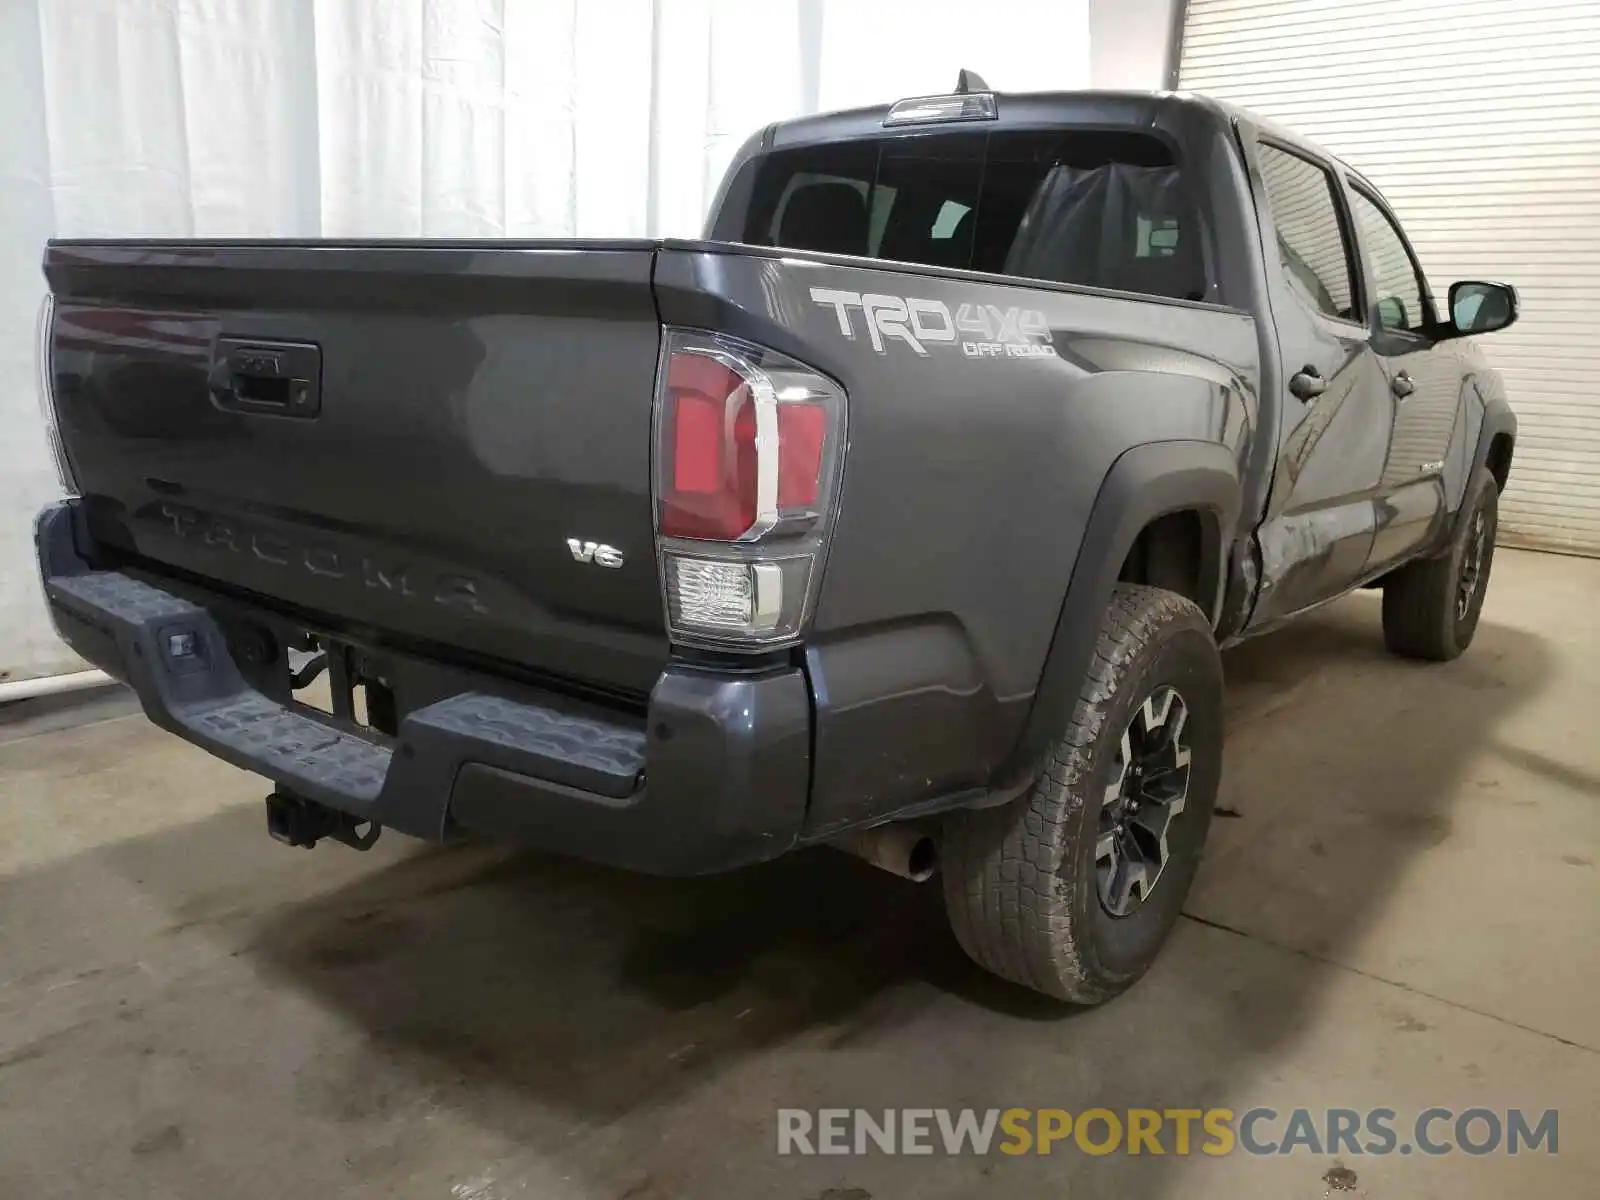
point(1071, 889)
point(1431, 607)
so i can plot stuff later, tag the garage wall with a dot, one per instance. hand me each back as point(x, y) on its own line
point(417, 118)
point(1479, 119)
point(1131, 43)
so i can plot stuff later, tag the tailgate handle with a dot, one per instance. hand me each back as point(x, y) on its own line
point(281, 378)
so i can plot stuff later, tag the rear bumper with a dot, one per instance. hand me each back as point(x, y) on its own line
point(715, 774)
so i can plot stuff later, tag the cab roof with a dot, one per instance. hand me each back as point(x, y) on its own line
point(1040, 110)
point(1016, 110)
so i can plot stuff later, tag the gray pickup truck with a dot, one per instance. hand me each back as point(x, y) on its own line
point(907, 511)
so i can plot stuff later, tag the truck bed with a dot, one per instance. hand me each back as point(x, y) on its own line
point(479, 406)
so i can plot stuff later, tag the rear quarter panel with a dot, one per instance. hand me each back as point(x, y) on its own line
point(971, 472)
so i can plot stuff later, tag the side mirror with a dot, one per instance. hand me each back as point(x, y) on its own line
point(1392, 313)
point(1477, 307)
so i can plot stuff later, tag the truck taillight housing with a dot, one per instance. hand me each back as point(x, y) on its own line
point(748, 450)
point(45, 377)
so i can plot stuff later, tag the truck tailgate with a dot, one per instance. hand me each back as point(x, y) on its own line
point(398, 440)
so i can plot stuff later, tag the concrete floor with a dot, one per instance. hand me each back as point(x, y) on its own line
point(1403, 914)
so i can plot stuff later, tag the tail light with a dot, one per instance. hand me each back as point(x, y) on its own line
point(45, 375)
point(749, 446)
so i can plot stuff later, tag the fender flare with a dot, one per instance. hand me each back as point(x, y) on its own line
point(1497, 419)
point(1144, 483)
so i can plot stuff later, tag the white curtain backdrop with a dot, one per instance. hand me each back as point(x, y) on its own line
point(419, 119)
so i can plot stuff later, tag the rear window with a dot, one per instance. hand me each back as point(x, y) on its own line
point(1103, 209)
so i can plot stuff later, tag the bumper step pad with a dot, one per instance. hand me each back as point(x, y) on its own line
point(606, 758)
point(290, 746)
point(178, 661)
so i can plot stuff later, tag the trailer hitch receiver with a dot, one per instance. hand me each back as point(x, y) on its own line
point(296, 821)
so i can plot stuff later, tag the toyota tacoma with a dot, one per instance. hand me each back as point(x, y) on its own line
point(907, 510)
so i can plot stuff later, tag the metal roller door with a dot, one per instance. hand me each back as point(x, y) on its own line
point(1480, 120)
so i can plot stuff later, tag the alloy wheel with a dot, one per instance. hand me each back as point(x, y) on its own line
point(1472, 565)
point(1148, 790)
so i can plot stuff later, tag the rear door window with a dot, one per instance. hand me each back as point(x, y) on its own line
point(1313, 251)
point(1396, 278)
point(1100, 208)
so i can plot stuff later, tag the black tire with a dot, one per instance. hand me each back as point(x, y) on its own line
point(1431, 607)
point(1020, 881)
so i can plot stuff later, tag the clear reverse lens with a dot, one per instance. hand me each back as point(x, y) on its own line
point(736, 601)
point(726, 595)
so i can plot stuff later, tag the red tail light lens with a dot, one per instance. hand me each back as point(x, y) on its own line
point(709, 488)
point(803, 434)
point(715, 483)
point(749, 446)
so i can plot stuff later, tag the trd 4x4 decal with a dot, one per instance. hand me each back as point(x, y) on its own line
point(984, 330)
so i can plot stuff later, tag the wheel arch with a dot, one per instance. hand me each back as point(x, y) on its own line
point(1497, 442)
point(1156, 486)
point(1178, 552)
point(1498, 459)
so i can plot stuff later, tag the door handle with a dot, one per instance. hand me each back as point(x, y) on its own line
point(1402, 386)
point(1307, 384)
point(281, 378)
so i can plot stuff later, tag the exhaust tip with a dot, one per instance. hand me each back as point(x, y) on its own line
point(908, 851)
point(923, 860)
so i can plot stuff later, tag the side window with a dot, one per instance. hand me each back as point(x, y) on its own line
point(1157, 237)
point(1311, 244)
point(1397, 287)
point(800, 182)
point(949, 220)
